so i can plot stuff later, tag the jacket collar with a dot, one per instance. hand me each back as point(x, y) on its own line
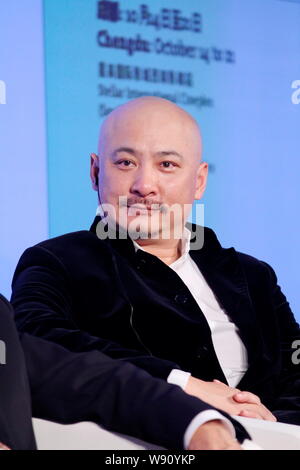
point(115, 238)
point(211, 246)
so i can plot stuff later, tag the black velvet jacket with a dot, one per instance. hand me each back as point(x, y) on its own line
point(86, 293)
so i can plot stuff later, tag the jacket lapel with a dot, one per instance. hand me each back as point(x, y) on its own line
point(116, 239)
point(225, 276)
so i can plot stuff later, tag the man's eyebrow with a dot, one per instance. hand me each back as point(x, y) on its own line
point(166, 153)
point(162, 153)
point(123, 149)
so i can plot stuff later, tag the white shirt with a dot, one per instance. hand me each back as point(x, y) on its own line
point(228, 345)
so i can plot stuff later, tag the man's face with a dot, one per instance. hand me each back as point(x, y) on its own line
point(150, 156)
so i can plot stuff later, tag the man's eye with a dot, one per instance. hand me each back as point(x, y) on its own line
point(168, 164)
point(123, 163)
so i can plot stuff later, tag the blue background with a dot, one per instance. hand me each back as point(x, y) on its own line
point(23, 175)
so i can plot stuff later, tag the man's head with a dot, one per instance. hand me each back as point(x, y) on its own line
point(150, 153)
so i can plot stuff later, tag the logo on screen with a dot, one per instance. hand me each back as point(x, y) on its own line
point(108, 11)
point(296, 94)
point(2, 92)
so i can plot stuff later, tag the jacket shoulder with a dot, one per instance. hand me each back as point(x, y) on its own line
point(251, 265)
point(251, 262)
point(257, 269)
point(68, 244)
point(66, 239)
point(58, 251)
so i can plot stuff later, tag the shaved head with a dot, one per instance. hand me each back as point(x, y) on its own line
point(151, 113)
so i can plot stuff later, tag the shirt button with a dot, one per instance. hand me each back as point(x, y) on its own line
point(181, 299)
point(202, 352)
point(141, 264)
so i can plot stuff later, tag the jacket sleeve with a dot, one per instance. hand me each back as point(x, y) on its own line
point(69, 387)
point(15, 411)
point(42, 303)
point(287, 405)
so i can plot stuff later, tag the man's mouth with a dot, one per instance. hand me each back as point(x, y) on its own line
point(142, 208)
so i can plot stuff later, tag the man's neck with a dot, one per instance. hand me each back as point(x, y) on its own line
point(167, 251)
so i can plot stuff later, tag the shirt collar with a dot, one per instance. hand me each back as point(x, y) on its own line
point(184, 248)
point(184, 243)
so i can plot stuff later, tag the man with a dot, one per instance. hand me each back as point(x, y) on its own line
point(207, 319)
point(69, 387)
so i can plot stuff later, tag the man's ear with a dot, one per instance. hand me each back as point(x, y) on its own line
point(201, 179)
point(94, 171)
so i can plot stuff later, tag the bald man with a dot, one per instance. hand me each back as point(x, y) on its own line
point(146, 287)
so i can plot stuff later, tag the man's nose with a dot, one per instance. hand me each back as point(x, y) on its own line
point(145, 182)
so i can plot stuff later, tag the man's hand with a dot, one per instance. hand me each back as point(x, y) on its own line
point(231, 400)
point(213, 435)
point(4, 447)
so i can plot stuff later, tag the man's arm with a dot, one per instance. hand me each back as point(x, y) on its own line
point(15, 405)
point(69, 387)
point(287, 406)
point(43, 307)
point(286, 383)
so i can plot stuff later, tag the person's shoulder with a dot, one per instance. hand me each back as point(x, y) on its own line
point(63, 251)
point(256, 268)
point(67, 246)
point(252, 262)
point(71, 240)
point(67, 239)
point(252, 265)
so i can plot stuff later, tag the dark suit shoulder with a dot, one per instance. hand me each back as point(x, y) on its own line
point(63, 240)
point(65, 252)
point(253, 267)
point(257, 269)
point(68, 245)
point(251, 262)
